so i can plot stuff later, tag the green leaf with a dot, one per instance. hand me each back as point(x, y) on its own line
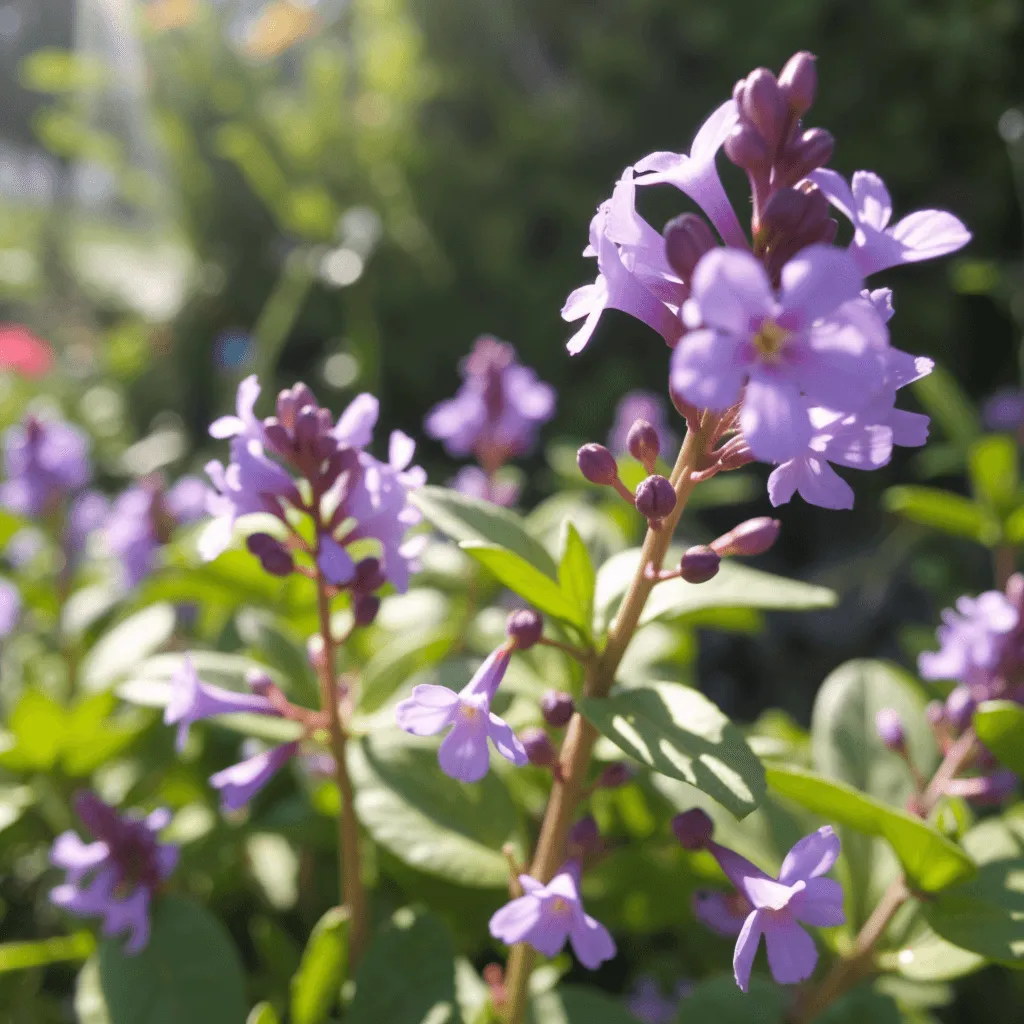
point(986, 914)
point(735, 586)
point(677, 731)
point(17, 956)
point(189, 972)
point(529, 582)
point(121, 649)
point(263, 1013)
point(90, 1006)
point(862, 1004)
point(945, 401)
point(316, 986)
point(14, 801)
point(1013, 528)
point(92, 737)
point(576, 574)
point(87, 606)
point(467, 519)
point(943, 511)
point(408, 974)
point(1000, 726)
point(719, 1001)
point(37, 727)
point(930, 860)
point(929, 957)
point(995, 470)
point(274, 645)
point(574, 1004)
point(403, 656)
point(428, 820)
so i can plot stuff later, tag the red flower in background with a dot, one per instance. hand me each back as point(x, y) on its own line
point(23, 352)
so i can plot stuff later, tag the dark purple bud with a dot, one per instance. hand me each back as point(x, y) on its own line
point(754, 537)
point(798, 81)
point(597, 464)
point(98, 817)
point(811, 150)
point(985, 790)
point(616, 774)
point(539, 748)
point(793, 218)
point(365, 608)
point(291, 401)
point(275, 558)
point(699, 564)
point(583, 837)
point(557, 708)
point(306, 428)
point(655, 498)
point(687, 239)
point(643, 444)
point(524, 627)
point(761, 103)
point(369, 576)
point(960, 705)
point(277, 438)
point(746, 149)
point(694, 829)
point(259, 682)
point(890, 729)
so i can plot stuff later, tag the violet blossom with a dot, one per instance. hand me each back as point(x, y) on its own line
point(87, 513)
point(45, 461)
point(475, 483)
point(721, 912)
point(116, 876)
point(545, 916)
point(10, 607)
point(642, 405)
point(463, 753)
point(923, 235)
point(241, 782)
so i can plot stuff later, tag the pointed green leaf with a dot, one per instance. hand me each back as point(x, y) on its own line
point(943, 511)
point(408, 974)
point(17, 956)
point(403, 656)
point(576, 574)
point(121, 649)
point(470, 519)
point(994, 466)
point(1000, 726)
point(316, 986)
point(931, 861)
point(677, 731)
point(189, 972)
point(263, 1013)
point(37, 727)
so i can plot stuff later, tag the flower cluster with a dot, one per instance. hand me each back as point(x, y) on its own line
point(771, 907)
point(116, 876)
point(45, 462)
point(494, 416)
point(302, 460)
point(776, 336)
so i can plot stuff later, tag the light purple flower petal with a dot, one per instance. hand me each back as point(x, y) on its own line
point(717, 911)
point(927, 234)
point(10, 607)
point(463, 753)
point(505, 741)
point(335, 562)
point(706, 369)
point(429, 710)
point(820, 904)
point(792, 955)
point(401, 449)
point(811, 856)
point(909, 429)
point(241, 782)
point(746, 948)
point(737, 869)
point(774, 419)
point(355, 425)
point(487, 678)
point(732, 290)
point(768, 894)
point(75, 856)
point(817, 482)
point(818, 280)
point(130, 914)
point(591, 941)
point(516, 920)
point(874, 205)
point(590, 301)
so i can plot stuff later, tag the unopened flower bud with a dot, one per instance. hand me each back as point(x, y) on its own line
point(798, 81)
point(275, 558)
point(365, 608)
point(557, 708)
point(597, 464)
point(890, 729)
point(960, 705)
point(616, 774)
point(793, 218)
point(984, 790)
point(694, 829)
point(643, 444)
point(699, 564)
point(583, 837)
point(762, 103)
point(754, 537)
point(746, 149)
point(655, 498)
point(539, 748)
point(259, 682)
point(524, 627)
point(687, 239)
point(811, 150)
point(369, 576)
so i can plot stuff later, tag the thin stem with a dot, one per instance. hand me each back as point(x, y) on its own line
point(1004, 564)
point(352, 892)
point(570, 784)
point(860, 961)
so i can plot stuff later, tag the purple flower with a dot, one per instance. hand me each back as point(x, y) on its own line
point(10, 607)
point(972, 639)
point(1004, 411)
point(45, 461)
point(816, 343)
point(463, 753)
point(546, 915)
point(696, 175)
point(642, 405)
point(923, 235)
point(647, 1003)
point(192, 700)
point(87, 513)
point(721, 912)
point(498, 409)
point(116, 876)
point(241, 782)
point(799, 895)
point(244, 423)
point(475, 483)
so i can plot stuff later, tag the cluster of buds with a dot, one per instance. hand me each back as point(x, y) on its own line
point(701, 562)
point(655, 497)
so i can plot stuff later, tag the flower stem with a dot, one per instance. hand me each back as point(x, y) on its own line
point(352, 892)
point(570, 784)
point(859, 962)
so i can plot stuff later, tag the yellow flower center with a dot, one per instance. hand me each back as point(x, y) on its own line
point(468, 713)
point(560, 906)
point(770, 340)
